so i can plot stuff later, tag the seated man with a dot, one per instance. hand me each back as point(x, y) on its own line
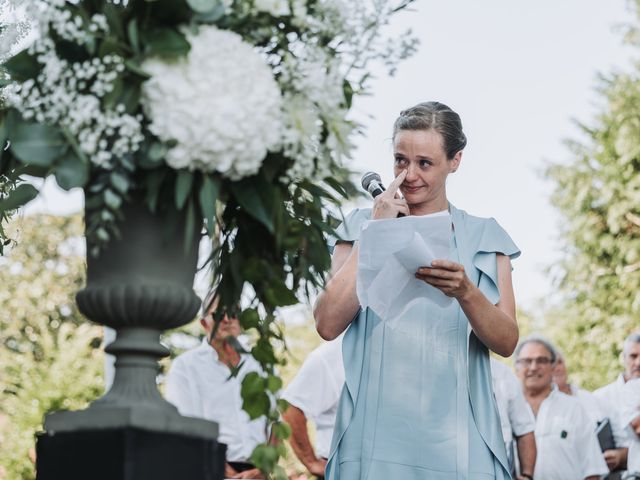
point(200, 385)
point(313, 394)
point(631, 419)
point(567, 446)
point(516, 419)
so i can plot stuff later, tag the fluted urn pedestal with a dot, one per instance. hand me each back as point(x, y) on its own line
point(139, 285)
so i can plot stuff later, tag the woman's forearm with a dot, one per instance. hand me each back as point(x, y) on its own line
point(337, 305)
point(494, 327)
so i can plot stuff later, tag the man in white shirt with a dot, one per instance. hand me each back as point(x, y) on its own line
point(566, 442)
point(610, 398)
point(200, 384)
point(313, 394)
point(631, 419)
point(587, 399)
point(516, 419)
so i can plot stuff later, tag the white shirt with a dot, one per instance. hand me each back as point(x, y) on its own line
point(590, 404)
point(516, 417)
point(567, 445)
point(631, 410)
point(610, 400)
point(316, 390)
point(201, 386)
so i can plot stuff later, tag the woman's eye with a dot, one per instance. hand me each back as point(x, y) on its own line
point(424, 163)
point(401, 161)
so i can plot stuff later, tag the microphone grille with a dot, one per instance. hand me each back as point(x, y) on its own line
point(368, 177)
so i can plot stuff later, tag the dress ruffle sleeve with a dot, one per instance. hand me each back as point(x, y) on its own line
point(493, 240)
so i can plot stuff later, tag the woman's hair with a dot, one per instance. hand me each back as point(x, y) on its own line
point(436, 116)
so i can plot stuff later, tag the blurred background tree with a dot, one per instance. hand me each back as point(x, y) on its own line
point(598, 195)
point(49, 355)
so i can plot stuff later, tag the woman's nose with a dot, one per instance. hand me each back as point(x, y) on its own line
point(411, 172)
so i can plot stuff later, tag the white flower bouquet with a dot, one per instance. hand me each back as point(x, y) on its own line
point(235, 112)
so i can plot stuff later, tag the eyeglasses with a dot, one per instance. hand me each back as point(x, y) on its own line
point(527, 362)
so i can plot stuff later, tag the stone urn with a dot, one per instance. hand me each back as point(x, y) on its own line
point(140, 284)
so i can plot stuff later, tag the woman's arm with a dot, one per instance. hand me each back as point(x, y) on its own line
point(494, 325)
point(338, 303)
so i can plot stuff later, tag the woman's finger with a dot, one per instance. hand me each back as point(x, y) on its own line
point(395, 185)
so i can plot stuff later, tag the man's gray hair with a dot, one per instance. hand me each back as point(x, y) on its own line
point(630, 340)
point(540, 340)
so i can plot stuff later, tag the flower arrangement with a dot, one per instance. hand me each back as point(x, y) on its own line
point(236, 112)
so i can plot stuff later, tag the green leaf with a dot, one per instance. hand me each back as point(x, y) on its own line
point(279, 295)
point(257, 405)
point(252, 384)
point(202, 6)
point(249, 318)
point(274, 383)
point(119, 182)
point(34, 143)
point(131, 97)
point(22, 66)
point(112, 200)
point(132, 31)
point(207, 196)
point(23, 194)
point(281, 430)
point(135, 67)
point(111, 99)
point(184, 182)
point(167, 42)
point(249, 199)
point(71, 171)
point(189, 226)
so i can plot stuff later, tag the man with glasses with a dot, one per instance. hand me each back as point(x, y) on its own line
point(200, 384)
point(611, 398)
point(567, 447)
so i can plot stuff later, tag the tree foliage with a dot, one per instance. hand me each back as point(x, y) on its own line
point(49, 358)
point(598, 195)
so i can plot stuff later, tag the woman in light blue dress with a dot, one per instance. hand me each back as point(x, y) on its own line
point(418, 401)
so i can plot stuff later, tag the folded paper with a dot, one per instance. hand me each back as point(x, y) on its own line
point(390, 253)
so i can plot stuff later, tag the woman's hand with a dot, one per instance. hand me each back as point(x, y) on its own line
point(389, 203)
point(448, 277)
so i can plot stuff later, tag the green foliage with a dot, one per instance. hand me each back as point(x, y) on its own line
point(598, 194)
point(42, 335)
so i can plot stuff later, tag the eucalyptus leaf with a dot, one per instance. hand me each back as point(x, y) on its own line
point(207, 196)
point(22, 66)
point(119, 182)
point(132, 32)
point(167, 42)
point(71, 171)
point(34, 143)
point(135, 67)
point(112, 200)
point(250, 200)
point(23, 194)
point(189, 226)
point(184, 182)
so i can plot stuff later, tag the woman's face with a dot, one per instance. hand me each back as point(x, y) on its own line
point(421, 153)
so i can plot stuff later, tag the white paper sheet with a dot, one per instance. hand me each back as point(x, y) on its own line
point(390, 253)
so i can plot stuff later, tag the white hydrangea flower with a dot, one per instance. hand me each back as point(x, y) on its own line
point(220, 104)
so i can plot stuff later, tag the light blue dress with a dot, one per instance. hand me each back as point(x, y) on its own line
point(418, 401)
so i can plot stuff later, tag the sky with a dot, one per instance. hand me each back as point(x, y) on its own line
point(519, 74)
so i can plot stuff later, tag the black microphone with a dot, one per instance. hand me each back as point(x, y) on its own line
point(372, 183)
